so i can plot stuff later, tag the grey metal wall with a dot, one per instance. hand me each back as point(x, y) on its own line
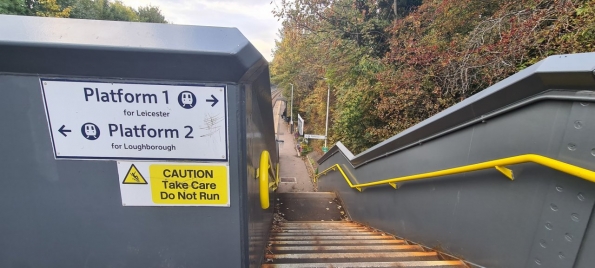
point(259, 137)
point(69, 213)
point(541, 219)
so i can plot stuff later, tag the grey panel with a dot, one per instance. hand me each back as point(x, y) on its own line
point(259, 137)
point(69, 213)
point(124, 50)
point(482, 216)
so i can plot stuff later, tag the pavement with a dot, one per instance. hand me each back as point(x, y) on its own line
point(314, 206)
point(293, 171)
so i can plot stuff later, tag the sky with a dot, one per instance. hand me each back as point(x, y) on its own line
point(252, 17)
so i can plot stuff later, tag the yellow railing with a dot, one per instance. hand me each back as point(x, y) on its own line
point(262, 174)
point(498, 164)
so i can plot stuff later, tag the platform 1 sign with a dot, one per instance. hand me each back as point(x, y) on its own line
point(99, 120)
point(173, 184)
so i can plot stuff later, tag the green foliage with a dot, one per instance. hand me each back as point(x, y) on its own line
point(150, 14)
point(389, 72)
point(12, 7)
point(82, 9)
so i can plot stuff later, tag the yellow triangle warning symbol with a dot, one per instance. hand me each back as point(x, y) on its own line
point(133, 176)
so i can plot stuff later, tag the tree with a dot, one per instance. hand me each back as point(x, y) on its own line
point(12, 7)
point(82, 9)
point(50, 8)
point(150, 14)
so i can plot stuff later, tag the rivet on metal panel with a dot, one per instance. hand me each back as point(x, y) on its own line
point(572, 146)
point(593, 152)
point(580, 197)
point(554, 207)
point(578, 124)
point(559, 188)
point(538, 261)
point(549, 226)
point(542, 243)
point(561, 255)
point(568, 237)
point(507, 172)
point(394, 185)
point(575, 217)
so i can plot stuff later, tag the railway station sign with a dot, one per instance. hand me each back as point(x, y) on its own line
point(314, 136)
point(102, 120)
point(173, 184)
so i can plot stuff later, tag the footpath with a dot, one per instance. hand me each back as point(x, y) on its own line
point(293, 171)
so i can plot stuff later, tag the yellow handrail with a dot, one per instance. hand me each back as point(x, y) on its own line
point(498, 164)
point(264, 168)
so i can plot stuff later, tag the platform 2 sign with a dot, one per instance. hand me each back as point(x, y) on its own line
point(173, 184)
point(98, 120)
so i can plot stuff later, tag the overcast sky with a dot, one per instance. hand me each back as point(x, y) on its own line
point(252, 17)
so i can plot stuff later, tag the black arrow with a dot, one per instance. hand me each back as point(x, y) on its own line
point(64, 131)
point(214, 100)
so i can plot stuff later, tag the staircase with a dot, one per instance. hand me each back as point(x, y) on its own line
point(316, 243)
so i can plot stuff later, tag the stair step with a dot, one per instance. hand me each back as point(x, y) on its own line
point(326, 230)
point(322, 233)
point(341, 242)
point(433, 264)
point(353, 257)
point(324, 227)
point(320, 225)
point(331, 237)
point(390, 248)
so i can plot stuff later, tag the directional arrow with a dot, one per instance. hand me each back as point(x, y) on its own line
point(214, 100)
point(64, 131)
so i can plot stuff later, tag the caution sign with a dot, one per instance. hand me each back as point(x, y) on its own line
point(134, 176)
point(173, 184)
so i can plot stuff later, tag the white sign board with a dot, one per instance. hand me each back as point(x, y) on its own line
point(98, 120)
point(300, 125)
point(173, 184)
point(314, 136)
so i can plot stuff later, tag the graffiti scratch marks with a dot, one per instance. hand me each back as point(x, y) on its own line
point(211, 124)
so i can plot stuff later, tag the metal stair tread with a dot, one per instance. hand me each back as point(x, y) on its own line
point(433, 264)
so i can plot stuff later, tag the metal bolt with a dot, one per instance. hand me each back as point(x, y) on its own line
point(549, 226)
point(559, 189)
point(580, 197)
point(568, 237)
point(554, 207)
point(578, 124)
point(572, 146)
point(574, 217)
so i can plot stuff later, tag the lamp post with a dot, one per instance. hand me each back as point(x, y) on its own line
point(291, 106)
point(328, 95)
